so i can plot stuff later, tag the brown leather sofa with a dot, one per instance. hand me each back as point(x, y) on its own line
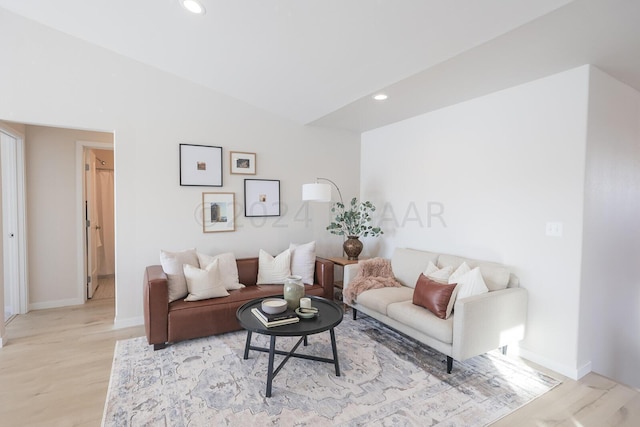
point(179, 320)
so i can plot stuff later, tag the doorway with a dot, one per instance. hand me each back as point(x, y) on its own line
point(12, 223)
point(99, 224)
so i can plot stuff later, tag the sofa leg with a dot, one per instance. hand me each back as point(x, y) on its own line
point(157, 347)
point(449, 364)
point(355, 313)
point(503, 349)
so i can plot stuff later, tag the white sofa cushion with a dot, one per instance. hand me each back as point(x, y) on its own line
point(496, 276)
point(379, 299)
point(172, 263)
point(408, 264)
point(438, 274)
point(273, 271)
point(204, 283)
point(470, 284)
point(228, 268)
point(422, 320)
point(303, 261)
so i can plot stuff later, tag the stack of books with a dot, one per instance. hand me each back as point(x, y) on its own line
point(270, 320)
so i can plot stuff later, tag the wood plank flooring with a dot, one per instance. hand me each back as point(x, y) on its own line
point(55, 367)
point(54, 371)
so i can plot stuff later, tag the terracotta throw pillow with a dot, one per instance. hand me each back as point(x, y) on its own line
point(436, 297)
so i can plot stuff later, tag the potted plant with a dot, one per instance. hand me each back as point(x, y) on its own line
point(353, 221)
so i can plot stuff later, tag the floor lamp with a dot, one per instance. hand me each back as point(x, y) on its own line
point(319, 192)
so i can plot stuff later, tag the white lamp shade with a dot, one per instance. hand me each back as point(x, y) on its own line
point(316, 192)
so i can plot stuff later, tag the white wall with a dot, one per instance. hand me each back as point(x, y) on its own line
point(54, 79)
point(500, 167)
point(52, 214)
point(610, 295)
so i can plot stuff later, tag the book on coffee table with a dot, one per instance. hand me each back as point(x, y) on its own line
point(261, 316)
point(270, 317)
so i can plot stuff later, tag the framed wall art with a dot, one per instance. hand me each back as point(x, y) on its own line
point(242, 163)
point(218, 212)
point(261, 197)
point(200, 165)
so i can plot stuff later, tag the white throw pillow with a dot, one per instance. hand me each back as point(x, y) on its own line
point(471, 284)
point(273, 271)
point(460, 271)
point(228, 268)
point(204, 284)
point(303, 261)
point(439, 275)
point(172, 263)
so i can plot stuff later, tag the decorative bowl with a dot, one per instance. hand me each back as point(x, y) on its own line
point(304, 315)
point(274, 305)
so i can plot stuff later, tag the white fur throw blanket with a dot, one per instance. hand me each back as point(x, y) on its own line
point(373, 273)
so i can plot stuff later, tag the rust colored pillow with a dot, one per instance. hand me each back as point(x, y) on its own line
point(436, 297)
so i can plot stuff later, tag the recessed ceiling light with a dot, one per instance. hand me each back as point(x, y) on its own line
point(193, 6)
point(380, 97)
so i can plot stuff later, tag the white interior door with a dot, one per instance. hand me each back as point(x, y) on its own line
point(91, 223)
point(13, 235)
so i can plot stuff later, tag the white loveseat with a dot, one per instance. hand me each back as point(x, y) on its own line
point(478, 323)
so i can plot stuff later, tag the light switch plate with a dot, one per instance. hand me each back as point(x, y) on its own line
point(554, 229)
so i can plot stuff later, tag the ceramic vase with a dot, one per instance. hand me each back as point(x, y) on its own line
point(293, 291)
point(352, 247)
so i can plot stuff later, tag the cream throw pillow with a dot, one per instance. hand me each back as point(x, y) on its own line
point(172, 263)
point(471, 283)
point(273, 271)
point(460, 271)
point(303, 261)
point(204, 284)
point(228, 268)
point(440, 275)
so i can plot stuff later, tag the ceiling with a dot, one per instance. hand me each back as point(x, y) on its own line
point(319, 61)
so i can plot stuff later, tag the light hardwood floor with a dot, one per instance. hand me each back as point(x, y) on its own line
point(55, 369)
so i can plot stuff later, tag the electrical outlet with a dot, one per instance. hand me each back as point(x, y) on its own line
point(554, 229)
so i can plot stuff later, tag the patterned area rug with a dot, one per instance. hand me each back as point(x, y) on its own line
point(386, 379)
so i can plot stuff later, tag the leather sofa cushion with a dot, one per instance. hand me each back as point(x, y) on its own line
point(436, 297)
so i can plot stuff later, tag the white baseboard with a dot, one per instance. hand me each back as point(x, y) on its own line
point(584, 369)
point(567, 371)
point(127, 323)
point(55, 304)
point(1, 342)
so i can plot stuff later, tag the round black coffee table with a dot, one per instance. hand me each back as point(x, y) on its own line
point(329, 316)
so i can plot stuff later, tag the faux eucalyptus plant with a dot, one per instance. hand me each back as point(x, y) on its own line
point(354, 220)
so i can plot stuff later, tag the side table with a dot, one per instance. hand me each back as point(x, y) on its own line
point(341, 261)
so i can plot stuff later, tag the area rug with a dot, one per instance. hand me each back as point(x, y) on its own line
point(386, 379)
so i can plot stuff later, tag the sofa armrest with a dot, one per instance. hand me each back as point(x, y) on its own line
point(156, 304)
point(349, 273)
point(488, 321)
point(324, 276)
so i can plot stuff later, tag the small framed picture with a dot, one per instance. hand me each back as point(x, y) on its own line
point(218, 212)
point(242, 163)
point(261, 197)
point(200, 165)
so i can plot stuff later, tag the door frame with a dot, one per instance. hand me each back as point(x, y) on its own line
point(81, 146)
point(21, 296)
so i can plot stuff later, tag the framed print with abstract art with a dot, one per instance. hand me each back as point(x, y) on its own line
point(218, 212)
point(242, 163)
point(200, 165)
point(261, 197)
